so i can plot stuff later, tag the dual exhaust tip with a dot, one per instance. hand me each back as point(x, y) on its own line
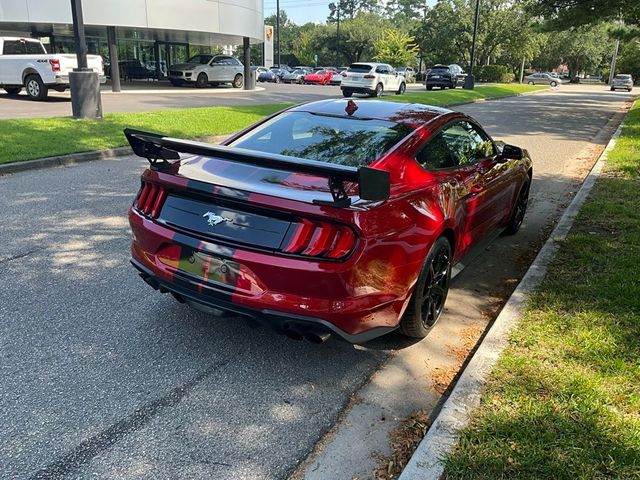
point(293, 331)
point(313, 335)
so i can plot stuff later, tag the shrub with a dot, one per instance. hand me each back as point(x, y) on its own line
point(493, 73)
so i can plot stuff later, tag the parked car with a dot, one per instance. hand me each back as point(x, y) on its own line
point(280, 72)
point(372, 79)
point(543, 79)
point(134, 69)
point(336, 78)
point(458, 71)
point(269, 76)
point(316, 234)
point(441, 76)
point(321, 77)
point(622, 80)
point(296, 76)
point(408, 73)
point(258, 69)
point(204, 69)
point(283, 67)
point(25, 63)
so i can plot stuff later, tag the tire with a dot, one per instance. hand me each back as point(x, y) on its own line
point(402, 89)
point(347, 93)
point(300, 81)
point(202, 81)
point(519, 210)
point(530, 82)
point(238, 80)
point(429, 87)
point(36, 89)
point(613, 89)
point(378, 91)
point(430, 292)
point(175, 83)
point(553, 84)
point(13, 91)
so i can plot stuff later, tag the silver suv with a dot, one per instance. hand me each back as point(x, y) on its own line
point(624, 81)
point(206, 69)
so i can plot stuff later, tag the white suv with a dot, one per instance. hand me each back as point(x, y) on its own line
point(372, 79)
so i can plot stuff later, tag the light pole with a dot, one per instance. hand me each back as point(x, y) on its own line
point(469, 81)
point(278, 31)
point(338, 37)
point(83, 82)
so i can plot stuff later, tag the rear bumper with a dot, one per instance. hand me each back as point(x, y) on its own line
point(357, 89)
point(63, 80)
point(286, 293)
point(278, 321)
point(440, 83)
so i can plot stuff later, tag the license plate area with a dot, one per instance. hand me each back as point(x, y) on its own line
point(207, 269)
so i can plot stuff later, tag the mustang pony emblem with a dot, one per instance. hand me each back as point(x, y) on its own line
point(213, 219)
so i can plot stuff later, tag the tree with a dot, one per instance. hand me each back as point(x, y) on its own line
point(349, 9)
point(395, 47)
point(570, 13)
point(583, 49)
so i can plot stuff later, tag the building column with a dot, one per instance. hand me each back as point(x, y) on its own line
point(248, 84)
point(113, 54)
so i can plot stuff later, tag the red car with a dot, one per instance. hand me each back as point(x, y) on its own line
point(321, 77)
point(328, 217)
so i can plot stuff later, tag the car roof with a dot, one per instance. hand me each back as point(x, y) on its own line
point(412, 114)
point(26, 39)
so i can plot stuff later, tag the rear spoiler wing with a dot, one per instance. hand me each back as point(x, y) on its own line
point(374, 184)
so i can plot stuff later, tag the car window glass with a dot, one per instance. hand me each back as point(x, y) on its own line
point(436, 154)
point(466, 143)
point(359, 68)
point(34, 48)
point(345, 141)
point(13, 47)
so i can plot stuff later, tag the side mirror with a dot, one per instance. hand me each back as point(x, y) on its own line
point(512, 152)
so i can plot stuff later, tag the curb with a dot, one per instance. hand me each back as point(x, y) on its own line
point(63, 160)
point(81, 157)
point(426, 462)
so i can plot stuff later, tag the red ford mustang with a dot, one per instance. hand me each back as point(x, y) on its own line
point(328, 217)
point(321, 77)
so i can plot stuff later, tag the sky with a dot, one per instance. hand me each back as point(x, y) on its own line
point(303, 11)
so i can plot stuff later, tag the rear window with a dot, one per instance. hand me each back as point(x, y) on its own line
point(623, 77)
point(359, 68)
point(13, 47)
point(341, 140)
point(440, 69)
point(34, 48)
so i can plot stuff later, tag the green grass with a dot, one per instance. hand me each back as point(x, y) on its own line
point(45, 137)
point(26, 139)
point(448, 97)
point(564, 399)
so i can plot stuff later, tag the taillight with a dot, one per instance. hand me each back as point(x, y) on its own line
point(55, 64)
point(369, 76)
point(320, 239)
point(151, 199)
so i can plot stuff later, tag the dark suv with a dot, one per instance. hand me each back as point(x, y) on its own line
point(441, 76)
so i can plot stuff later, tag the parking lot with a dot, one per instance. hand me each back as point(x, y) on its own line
point(144, 96)
point(104, 378)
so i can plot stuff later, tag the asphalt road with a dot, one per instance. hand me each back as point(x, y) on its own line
point(102, 377)
point(146, 97)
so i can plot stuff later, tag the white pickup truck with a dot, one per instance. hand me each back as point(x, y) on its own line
point(24, 62)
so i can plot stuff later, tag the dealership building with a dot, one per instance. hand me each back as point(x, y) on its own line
point(148, 35)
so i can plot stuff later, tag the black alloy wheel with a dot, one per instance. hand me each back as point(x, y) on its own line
point(519, 210)
point(430, 292)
